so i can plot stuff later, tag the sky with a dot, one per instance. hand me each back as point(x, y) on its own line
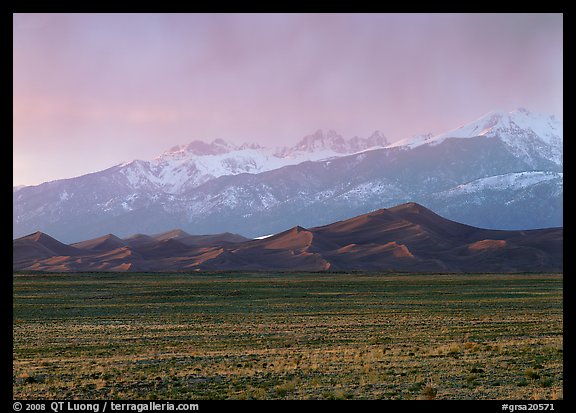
point(94, 90)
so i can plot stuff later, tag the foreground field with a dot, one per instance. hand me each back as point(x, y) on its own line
point(287, 336)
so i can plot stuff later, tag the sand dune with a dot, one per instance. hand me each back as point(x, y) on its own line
point(407, 237)
point(103, 243)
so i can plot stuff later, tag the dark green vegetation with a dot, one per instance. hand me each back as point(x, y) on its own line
point(294, 336)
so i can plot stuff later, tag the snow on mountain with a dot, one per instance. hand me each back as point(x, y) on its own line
point(265, 236)
point(527, 134)
point(412, 142)
point(184, 167)
point(503, 170)
point(546, 128)
point(510, 181)
point(200, 148)
point(335, 143)
point(518, 200)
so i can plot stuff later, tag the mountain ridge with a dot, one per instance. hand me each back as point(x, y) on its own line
point(506, 178)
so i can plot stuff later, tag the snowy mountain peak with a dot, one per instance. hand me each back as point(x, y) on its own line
point(529, 135)
point(332, 141)
point(199, 148)
point(184, 167)
point(508, 124)
point(320, 140)
point(378, 139)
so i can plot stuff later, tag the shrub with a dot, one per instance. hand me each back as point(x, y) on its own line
point(532, 374)
point(429, 392)
point(522, 383)
point(546, 382)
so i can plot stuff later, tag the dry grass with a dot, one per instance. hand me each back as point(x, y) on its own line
point(288, 337)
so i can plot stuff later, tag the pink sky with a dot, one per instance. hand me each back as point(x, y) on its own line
point(94, 90)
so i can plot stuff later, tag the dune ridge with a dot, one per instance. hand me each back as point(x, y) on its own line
point(408, 237)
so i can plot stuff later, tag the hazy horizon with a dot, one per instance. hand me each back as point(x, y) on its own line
point(93, 90)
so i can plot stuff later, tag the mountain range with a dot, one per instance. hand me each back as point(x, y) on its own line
point(501, 171)
point(407, 237)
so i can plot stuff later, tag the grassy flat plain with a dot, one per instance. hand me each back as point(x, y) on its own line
point(287, 336)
